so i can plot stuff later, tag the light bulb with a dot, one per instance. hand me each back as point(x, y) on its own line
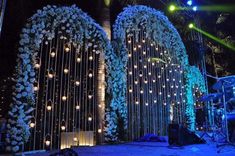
point(49, 107)
point(78, 59)
point(150, 73)
point(129, 41)
point(66, 71)
point(62, 127)
point(90, 75)
point(32, 124)
point(159, 76)
point(35, 88)
point(130, 72)
point(154, 80)
point(47, 142)
point(135, 66)
point(163, 86)
point(67, 49)
point(130, 90)
point(90, 58)
point(52, 54)
point(153, 64)
point(146, 104)
point(150, 91)
point(64, 98)
point(164, 103)
point(141, 91)
point(151, 44)
point(136, 102)
point(139, 46)
point(136, 82)
point(89, 118)
point(134, 48)
point(89, 96)
point(99, 130)
point(175, 94)
point(75, 139)
point(129, 55)
point(168, 95)
point(167, 79)
point(50, 75)
point(37, 66)
point(155, 101)
point(144, 52)
point(156, 48)
point(143, 40)
point(160, 93)
point(77, 83)
point(77, 107)
point(145, 66)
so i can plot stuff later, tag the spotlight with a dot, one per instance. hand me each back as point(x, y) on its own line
point(195, 8)
point(172, 8)
point(189, 2)
point(191, 25)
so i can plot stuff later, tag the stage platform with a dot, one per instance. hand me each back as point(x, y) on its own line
point(151, 149)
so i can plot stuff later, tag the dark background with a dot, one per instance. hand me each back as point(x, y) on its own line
point(18, 11)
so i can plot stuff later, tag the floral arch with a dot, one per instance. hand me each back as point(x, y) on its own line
point(52, 37)
point(136, 29)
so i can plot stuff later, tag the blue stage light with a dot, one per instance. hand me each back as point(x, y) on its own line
point(189, 2)
point(195, 8)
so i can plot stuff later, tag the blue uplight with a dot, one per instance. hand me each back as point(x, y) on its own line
point(195, 8)
point(189, 2)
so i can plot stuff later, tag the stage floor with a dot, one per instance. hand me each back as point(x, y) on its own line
point(152, 149)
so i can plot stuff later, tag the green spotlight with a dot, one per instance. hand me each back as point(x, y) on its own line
point(172, 8)
point(191, 25)
point(230, 46)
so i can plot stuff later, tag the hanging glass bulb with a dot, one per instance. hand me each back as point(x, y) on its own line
point(153, 64)
point(130, 89)
point(99, 130)
point(66, 71)
point(160, 93)
point(37, 65)
point(141, 74)
point(161, 53)
point(172, 86)
point(49, 105)
point(63, 127)
point(137, 102)
point(150, 91)
point(167, 79)
point(181, 71)
point(77, 83)
point(144, 52)
point(47, 142)
point(139, 46)
point(89, 95)
point(90, 74)
point(129, 41)
point(146, 104)
point(163, 86)
point(89, 118)
point(51, 74)
point(66, 48)
point(145, 66)
point(159, 76)
point(78, 59)
point(145, 80)
point(168, 95)
point(52, 53)
point(155, 101)
point(134, 48)
point(129, 55)
point(90, 58)
point(136, 82)
point(35, 86)
point(77, 107)
point(75, 139)
point(176, 86)
point(156, 48)
point(154, 80)
point(130, 72)
point(141, 91)
point(64, 98)
point(32, 124)
point(135, 66)
point(143, 40)
point(164, 103)
point(151, 44)
point(149, 59)
point(150, 73)
point(175, 94)
point(170, 71)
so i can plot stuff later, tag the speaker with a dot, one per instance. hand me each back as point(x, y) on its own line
point(179, 135)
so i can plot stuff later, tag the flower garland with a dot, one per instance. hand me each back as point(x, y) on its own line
point(193, 78)
point(158, 29)
point(42, 25)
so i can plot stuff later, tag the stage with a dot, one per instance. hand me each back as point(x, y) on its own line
point(150, 149)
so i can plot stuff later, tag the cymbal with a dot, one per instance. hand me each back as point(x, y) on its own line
point(228, 81)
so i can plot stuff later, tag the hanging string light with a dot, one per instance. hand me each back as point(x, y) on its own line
point(66, 48)
point(49, 105)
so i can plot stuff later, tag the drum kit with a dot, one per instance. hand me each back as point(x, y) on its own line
point(221, 111)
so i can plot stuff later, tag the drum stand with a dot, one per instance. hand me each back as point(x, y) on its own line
point(227, 141)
